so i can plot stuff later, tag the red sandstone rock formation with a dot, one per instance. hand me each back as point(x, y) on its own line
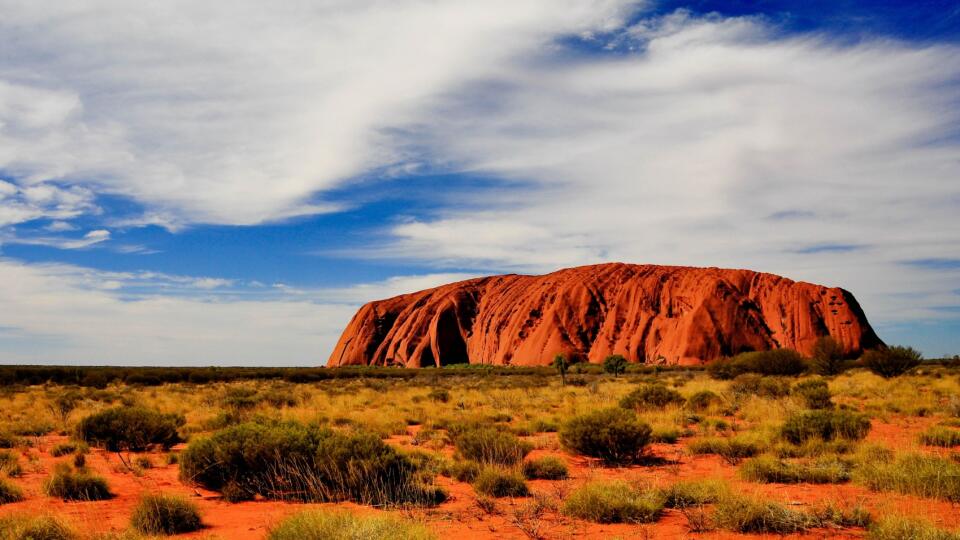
point(647, 313)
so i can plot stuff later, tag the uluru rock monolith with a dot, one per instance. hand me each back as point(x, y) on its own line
point(647, 313)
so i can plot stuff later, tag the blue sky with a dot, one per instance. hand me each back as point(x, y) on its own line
point(176, 191)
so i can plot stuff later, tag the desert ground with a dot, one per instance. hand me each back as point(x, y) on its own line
point(471, 452)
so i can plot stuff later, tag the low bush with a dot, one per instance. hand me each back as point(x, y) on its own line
point(130, 428)
point(751, 384)
point(613, 435)
point(165, 514)
point(463, 471)
point(326, 525)
point(828, 357)
point(69, 447)
point(740, 513)
point(613, 502)
point(668, 435)
point(694, 493)
point(768, 469)
point(732, 449)
point(892, 361)
point(940, 436)
point(293, 461)
point(826, 425)
point(651, 396)
point(545, 468)
point(496, 482)
point(912, 474)
point(703, 400)
point(35, 527)
point(906, 528)
point(784, 362)
point(490, 445)
point(815, 394)
point(71, 485)
point(9, 492)
point(9, 463)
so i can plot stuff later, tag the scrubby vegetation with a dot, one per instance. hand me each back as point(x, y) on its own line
point(165, 514)
point(941, 436)
point(498, 482)
point(784, 362)
point(613, 435)
point(9, 492)
point(819, 471)
point(914, 474)
point(289, 460)
point(76, 485)
point(825, 425)
point(892, 361)
point(614, 502)
point(133, 429)
point(324, 525)
point(741, 513)
point(651, 396)
point(545, 468)
point(906, 528)
point(490, 445)
point(35, 527)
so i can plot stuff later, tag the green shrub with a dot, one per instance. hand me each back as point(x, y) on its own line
point(490, 445)
point(35, 527)
point(744, 514)
point(784, 362)
point(165, 514)
point(940, 436)
point(545, 468)
point(732, 449)
point(665, 435)
point(826, 425)
point(827, 357)
point(71, 485)
point(463, 471)
point(912, 474)
point(9, 463)
point(815, 394)
point(905, 528)
point(767, 469)
point(613, 435)
point(892, 361)
point(751, 384)
point(613, 502)
point(703, 400)
point(69, 447)
point(130, 428)
point(615, 364)
point(496, 482)
point(9, 492)
point(694, 493)
point(294, 461)
point(326, 525)
point(651, 396)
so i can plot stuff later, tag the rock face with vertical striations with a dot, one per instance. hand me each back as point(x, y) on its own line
point(649, 314)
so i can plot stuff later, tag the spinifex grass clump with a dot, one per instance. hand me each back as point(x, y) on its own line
point(826, 425)
point(768, 469)
point(35, 527)
point(651, 396)
point(130, 428)
point(614, 502)
point(9, 463)
point(941, 436)
point(9, 492)
point(497, 482)
point(165, 514)
point(731, 449)
point(80, 485)
point(614, 435)
point(490, 445)
point(324, 525)
point(293, 461)
point(694, 493)
point(545, 468)
point(906, 528)
point(744, 514)
point(914, 474)
point(815, 393)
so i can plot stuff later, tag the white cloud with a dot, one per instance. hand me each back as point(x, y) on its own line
point(90, 239)
point(228, 112)
point(701, 148)
point(42, 201)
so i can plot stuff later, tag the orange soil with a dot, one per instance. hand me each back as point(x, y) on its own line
point(460, 516)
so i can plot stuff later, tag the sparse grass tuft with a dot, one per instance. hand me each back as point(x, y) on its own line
point(490, 445)
point(940, 436)
point(324, 525)
point(545, 468)
point(825, 425)
point(732, 449)
point(740, 513)
point(768, 469)
point(71, 485)
point(914, 474)
point(35, 527)
point(694, 493)
point(613, 502)
point(165, 514)
point(497, 482)
point(906, 528)
point(9, 492)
